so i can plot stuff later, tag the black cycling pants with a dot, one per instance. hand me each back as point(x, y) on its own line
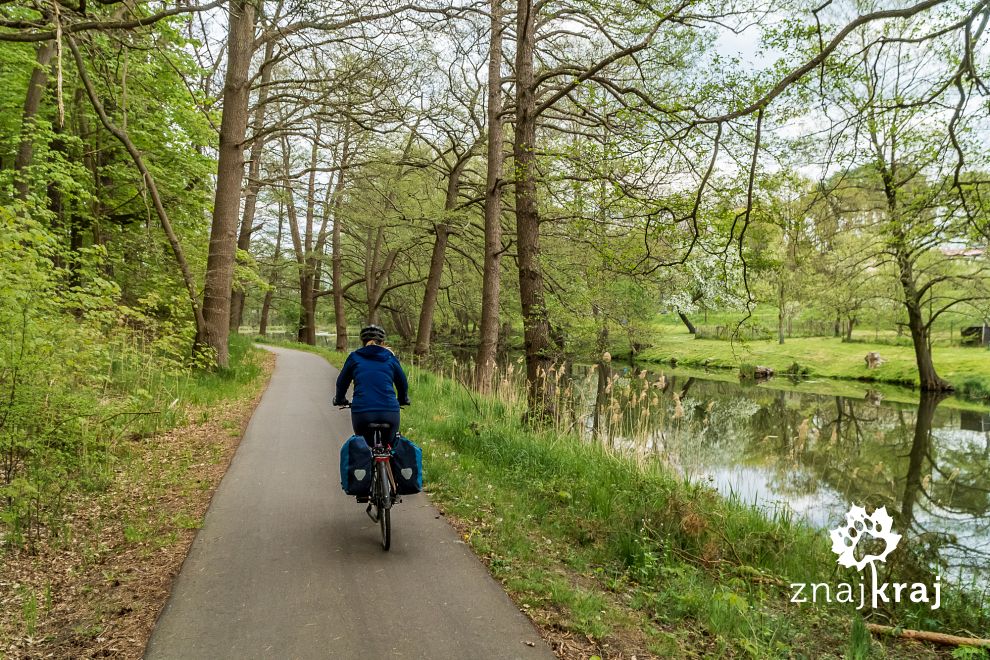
point(360, 421)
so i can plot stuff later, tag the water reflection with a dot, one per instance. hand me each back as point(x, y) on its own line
point(817, 454)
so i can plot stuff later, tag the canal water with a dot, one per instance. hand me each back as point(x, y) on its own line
point(816, 455)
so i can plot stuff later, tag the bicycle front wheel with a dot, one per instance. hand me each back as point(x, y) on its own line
point(385, 507)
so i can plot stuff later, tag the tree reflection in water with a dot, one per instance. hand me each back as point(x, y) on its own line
point(817, 454)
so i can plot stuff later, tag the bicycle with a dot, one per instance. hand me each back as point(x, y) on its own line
point(384, 492)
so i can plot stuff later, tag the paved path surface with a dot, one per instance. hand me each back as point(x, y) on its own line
point(287, 566)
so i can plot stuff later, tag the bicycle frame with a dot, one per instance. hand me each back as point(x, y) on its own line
point(382, 453)
point(384, 492)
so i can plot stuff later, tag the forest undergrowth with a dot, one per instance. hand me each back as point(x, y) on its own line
point(112, 439)
point(86, 573)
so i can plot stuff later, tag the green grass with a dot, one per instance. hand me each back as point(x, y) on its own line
point(824, 357)
point(90, 524)
point(853, 389)
point(623, 552)
point(83, 435)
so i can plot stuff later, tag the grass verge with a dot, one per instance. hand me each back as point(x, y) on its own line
point(95, 588)
point(615, 558)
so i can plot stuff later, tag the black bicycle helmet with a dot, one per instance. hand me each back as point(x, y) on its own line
point(372, 333)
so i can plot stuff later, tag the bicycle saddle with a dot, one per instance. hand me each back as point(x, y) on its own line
point(379, 426)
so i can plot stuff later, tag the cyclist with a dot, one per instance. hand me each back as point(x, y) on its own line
point(380, 385)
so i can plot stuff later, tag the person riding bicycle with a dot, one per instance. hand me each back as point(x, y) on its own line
point(380, 385)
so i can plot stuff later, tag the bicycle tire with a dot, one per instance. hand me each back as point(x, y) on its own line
point(384, 510)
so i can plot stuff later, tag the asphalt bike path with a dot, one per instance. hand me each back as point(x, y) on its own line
point(287, 566)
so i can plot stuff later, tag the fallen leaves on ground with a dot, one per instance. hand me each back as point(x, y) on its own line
point(96, 592)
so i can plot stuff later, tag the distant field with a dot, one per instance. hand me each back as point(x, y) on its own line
point(764, 319)
point(823, 356)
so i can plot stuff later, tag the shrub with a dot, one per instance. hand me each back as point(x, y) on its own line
point(974, 388)
point(79, 371)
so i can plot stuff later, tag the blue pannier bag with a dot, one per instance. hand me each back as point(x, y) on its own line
point(407, 466)
point(355, 466)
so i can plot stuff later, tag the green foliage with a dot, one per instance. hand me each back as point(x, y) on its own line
point(860, 642)
point(975, 388)
point(80, 373)
point(95, 330)
point(970, 653)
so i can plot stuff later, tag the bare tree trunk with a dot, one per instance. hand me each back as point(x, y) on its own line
point(253, 183)
point(32, 101)
point(272, 281)
point(266, 307)
point(536, 324)
point(307, 314)
point(230, 175)
point(402, 323)
point(437, 261)
point(338, 269)
point(333, 206)
point(432, 290)
point(491, 286)
point(370, 275)
point(687, 322)
point(930, 380)
point(298, 247)
point(308, 259)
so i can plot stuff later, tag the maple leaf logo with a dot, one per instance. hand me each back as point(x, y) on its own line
point(846, 537)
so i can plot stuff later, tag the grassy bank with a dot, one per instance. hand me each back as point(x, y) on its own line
point(86, 573)
point(615, 557)
point(827, 357)
point(851, 389)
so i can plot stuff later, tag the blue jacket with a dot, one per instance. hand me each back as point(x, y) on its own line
point(374, 369)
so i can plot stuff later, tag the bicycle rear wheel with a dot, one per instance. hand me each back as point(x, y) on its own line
point(384, 506)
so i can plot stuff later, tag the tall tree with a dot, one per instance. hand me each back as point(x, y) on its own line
point(32, 102)
point(910, 208)
point(258, 141)
point(230, 174)
point(460, 137)
point(488, 333)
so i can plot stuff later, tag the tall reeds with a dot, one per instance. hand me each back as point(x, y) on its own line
point(620, 409)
